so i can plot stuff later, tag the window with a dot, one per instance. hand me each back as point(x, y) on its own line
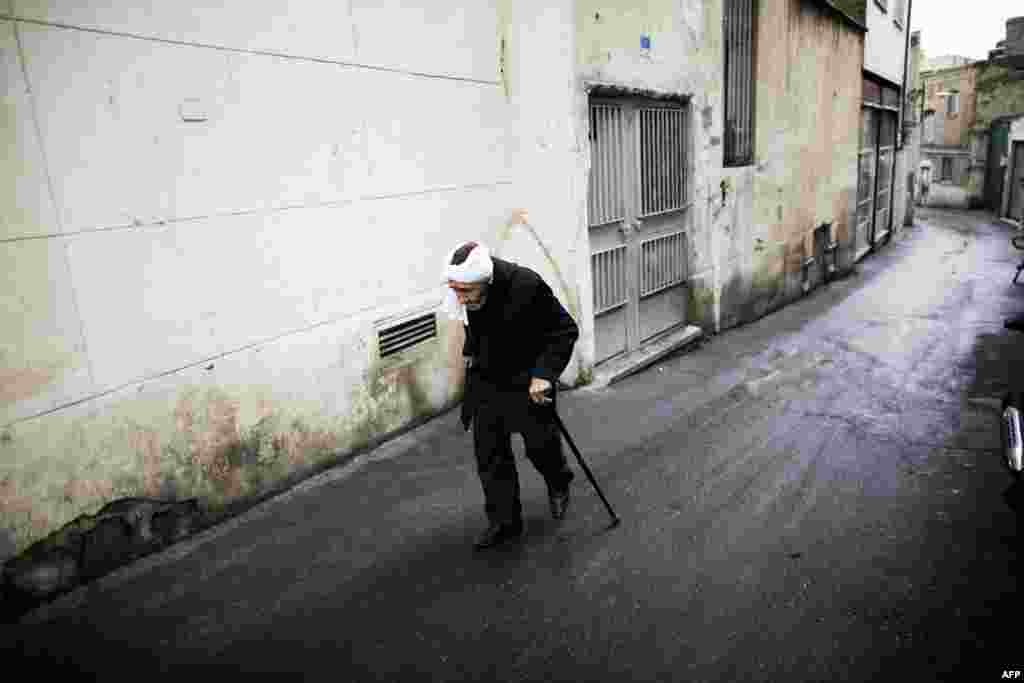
point(953, 103)
point(738, 30)
point(871, 91)
point(663, 135)
point(646, 135)
point(947, 168)
point(890, 97)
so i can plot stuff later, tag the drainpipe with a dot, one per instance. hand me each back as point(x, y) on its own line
point(906, 67)
point(903, 99)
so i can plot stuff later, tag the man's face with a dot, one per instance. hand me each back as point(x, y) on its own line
point(473, 296)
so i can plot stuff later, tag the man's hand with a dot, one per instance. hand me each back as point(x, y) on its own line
point(468, 399)
point(538, 386)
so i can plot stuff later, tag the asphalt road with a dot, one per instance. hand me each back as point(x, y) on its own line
point(818, 496)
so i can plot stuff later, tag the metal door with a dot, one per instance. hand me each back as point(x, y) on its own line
point(874, 185)
point(868, 161)
point(637, 202)
point(883, 188)
point(1017, 183)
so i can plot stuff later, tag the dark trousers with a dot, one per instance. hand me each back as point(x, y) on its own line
point(499, 415)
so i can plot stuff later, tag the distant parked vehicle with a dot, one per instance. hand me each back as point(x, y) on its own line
point(1010, 422)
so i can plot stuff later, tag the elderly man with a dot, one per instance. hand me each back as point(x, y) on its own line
point(519, 339)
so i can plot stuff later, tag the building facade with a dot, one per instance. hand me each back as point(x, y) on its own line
point(949, 111)
point(224, 243)
point(1010, 201)
point(883, 167)
point(1000, 102)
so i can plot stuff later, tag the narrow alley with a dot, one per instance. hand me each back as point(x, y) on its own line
point(818, 495)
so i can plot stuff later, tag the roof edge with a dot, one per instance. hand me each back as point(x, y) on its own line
point(843, 15)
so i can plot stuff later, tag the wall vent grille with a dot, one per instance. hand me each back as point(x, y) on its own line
point(397, 338)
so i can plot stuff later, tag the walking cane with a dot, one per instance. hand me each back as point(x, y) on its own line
point(561, 425)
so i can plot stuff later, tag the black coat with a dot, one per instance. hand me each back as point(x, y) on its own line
point(522, 331)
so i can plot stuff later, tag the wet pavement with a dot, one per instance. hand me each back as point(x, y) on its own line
point(815, 496)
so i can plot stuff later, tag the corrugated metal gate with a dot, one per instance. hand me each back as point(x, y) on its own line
point(879, 118)
point(637, 202)
point(866, 181)
point(883, 189)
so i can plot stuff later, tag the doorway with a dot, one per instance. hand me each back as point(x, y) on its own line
point(638, 200)
point(874, 185)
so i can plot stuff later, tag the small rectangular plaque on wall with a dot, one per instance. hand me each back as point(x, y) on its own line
point(192, 110)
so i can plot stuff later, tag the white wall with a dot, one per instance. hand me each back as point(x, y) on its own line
point(137, 245)
point(885, 44)
point(545, 147)
point(186, 240)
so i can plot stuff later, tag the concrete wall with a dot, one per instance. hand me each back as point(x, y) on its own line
point(547, 157)
point(998, 95)
point(808, 123)
point(190, 292)
point(908, 161)
point(684, 59)
point(961, 165)
point(946, 62)
point(746, 250)
point(951, 129)
point(886, 42)
point(913, 128)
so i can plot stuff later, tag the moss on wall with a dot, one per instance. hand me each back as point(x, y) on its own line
point(700, 304)
point(584, 376)
point(194, 443)
point(998, 95)
point(808, 121)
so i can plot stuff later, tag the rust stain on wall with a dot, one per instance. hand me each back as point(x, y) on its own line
point(23, 509)
point(812, 76)
point(519, 218)
point(79, 490)
point(17, 384)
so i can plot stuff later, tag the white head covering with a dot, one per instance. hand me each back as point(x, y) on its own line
point(478, 267)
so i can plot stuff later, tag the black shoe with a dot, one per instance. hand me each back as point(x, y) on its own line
point(497, 534)
point(559, 501)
